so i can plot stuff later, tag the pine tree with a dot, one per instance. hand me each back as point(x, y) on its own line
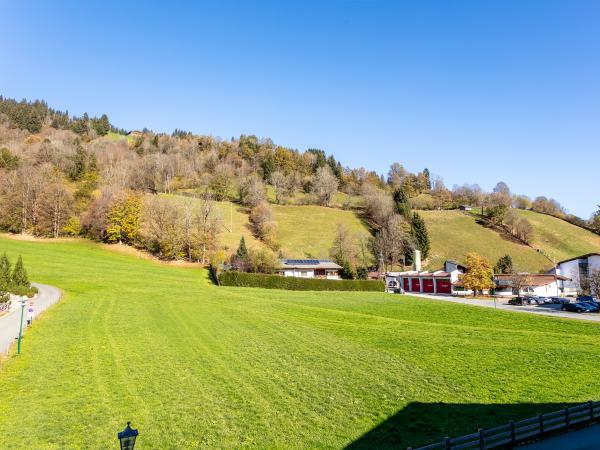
point(419, 232)
point(504, 265)
point(242, 251)
point(4, 273)
point(19, 275)
point(401, 203)
point(427, 179)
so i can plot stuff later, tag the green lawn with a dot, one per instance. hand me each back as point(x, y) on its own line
point(559, 239)
point(453, 234)
point(196, 366)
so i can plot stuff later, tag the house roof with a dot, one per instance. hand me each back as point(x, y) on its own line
point(533, 279)
point(414, 273)
point(578, 257)
point(308, 264)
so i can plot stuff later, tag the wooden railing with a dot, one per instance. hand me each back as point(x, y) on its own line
point(514, 432)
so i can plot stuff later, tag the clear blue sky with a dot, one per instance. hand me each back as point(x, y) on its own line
point(476, 91)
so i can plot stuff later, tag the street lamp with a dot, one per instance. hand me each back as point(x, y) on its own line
point(127, 437)
point(23, 301)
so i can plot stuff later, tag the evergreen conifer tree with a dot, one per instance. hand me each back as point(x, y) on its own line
point(419, 232)
point(242, 251)
point(504, 265)
point(401, 203)
point(4, 273)
point(19, 275)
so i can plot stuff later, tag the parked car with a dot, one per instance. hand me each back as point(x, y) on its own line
point(534, 299)
point(559, 300)
point(589, 300)
point(519, 301)
point(578, 307)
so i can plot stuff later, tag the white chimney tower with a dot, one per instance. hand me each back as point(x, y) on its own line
point(417, 260)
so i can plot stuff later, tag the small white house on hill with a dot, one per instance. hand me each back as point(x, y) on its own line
point(309, 268)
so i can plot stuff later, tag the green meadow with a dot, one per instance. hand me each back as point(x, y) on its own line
point(197, 366)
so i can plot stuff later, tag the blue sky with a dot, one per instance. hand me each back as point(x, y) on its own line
point(476, 91)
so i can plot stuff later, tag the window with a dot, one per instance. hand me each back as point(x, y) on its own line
point(584, 269)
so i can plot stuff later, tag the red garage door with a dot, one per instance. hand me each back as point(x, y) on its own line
point(406, 284)
point(444, 286)
point(415, 285)
point(428, 285)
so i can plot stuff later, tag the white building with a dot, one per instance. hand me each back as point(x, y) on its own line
point(578, 268)
point(309, 268)
point(540, 284)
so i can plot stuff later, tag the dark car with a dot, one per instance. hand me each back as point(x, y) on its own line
point(559, 300)
point(520, 301)
point(589, 300)
point(578, 307)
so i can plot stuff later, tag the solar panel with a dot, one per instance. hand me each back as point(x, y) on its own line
point(302, 261)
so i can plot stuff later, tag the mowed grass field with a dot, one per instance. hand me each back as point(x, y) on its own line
point(454, 234)
point(197, 366)
point(559, 239)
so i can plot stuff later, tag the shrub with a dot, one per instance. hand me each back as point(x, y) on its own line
point(242, 279)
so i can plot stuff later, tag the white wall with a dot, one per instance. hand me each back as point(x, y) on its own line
point(571, 269)
point(300, 273)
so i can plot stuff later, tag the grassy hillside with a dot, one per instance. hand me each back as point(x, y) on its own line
point(453, 234)
point(234, 223)
point(310, 230)
point(193, 365)
point(301, 230)
point(559, 239)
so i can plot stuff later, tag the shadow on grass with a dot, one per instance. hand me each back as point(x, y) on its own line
point(421, 424)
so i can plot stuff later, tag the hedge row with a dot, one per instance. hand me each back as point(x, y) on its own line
point(243, 279)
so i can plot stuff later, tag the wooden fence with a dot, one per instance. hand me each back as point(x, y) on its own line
point(515, 432)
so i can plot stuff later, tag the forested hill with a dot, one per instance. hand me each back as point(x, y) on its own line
point(193, 197)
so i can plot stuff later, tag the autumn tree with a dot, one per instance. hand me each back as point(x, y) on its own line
point(252, 191)
point(479, 275)
point(55, 208)
point(324, 186)
point(123, 219)
point(282, 186)
point(263, 223)
point(343, 250)
point(392, 242)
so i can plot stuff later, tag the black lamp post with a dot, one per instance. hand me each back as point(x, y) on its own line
point(127, 437)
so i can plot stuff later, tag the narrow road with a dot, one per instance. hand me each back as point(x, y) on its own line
point(543, 310)
point(586, 439)
point(9, 324)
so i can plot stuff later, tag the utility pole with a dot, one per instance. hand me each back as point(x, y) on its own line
point(21, 326)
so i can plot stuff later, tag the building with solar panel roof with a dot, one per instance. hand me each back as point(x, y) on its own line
point(309, 268)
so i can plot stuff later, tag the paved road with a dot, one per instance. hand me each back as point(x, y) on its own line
point(586, 439)
point(9, 324)
point(545, 310)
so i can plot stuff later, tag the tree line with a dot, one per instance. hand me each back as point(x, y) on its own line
point(66, 176)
